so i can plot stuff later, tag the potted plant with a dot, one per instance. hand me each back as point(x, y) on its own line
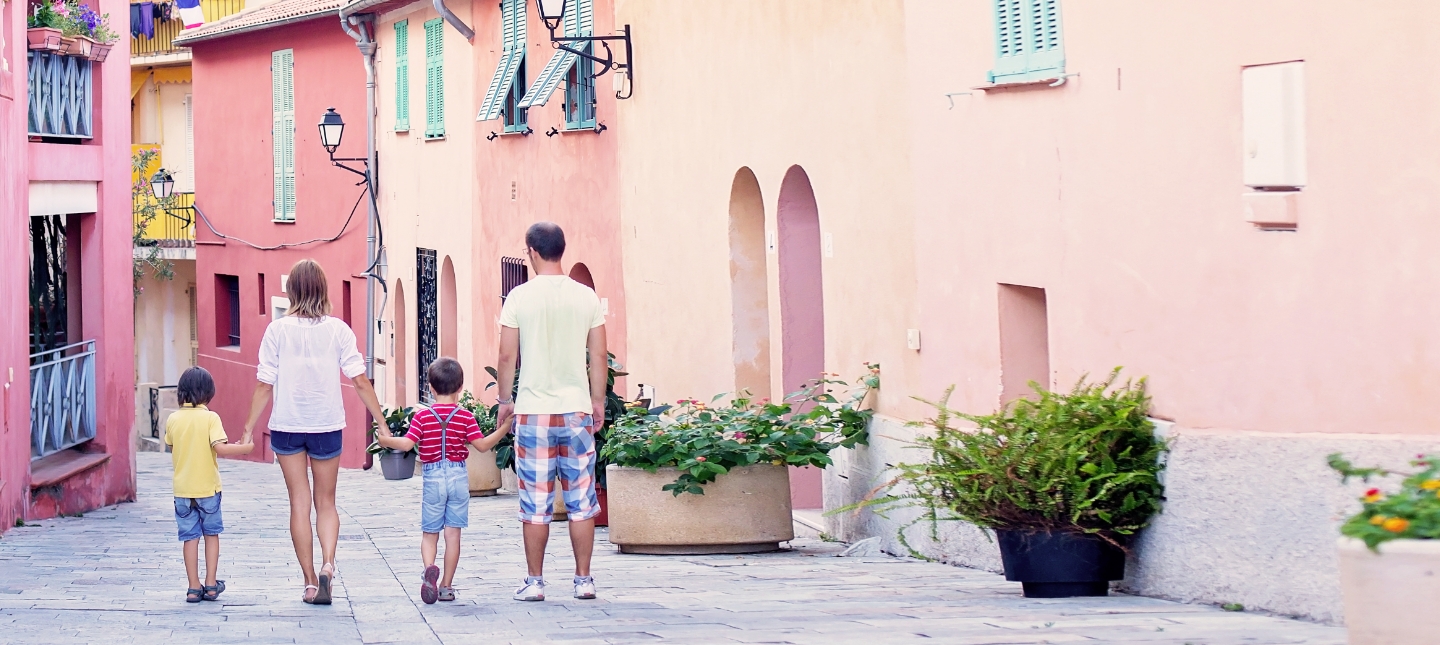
point(1390, 556)
point(696, 479)
point(395, 465)
point(44, 31)
point(483, 470)
point(1063, 479)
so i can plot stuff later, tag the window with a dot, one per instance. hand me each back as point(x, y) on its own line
point(1024, 341)
point(282, 131)
point(515, 115)
point(434, 78)
point(227, 310)
point(345, 301)
point(512, 57)
point(580, 94)
point(562, 66)
point(261, 303)
point(402, 76)
point(1028, 41)
point(187, 179)
point(513, 273)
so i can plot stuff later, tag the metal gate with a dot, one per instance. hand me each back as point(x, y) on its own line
point(428, 315)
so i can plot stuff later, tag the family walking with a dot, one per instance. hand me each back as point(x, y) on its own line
point(552, 325)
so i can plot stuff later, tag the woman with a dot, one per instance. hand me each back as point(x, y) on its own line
point(298, 360)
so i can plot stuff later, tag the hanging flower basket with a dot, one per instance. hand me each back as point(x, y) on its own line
point(44, 38)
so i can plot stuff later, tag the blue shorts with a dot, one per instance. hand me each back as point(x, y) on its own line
point(445, 496)
point(320, 445)
point(198, 516)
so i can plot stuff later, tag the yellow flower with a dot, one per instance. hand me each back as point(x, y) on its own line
point(1377, 520)
point(1396, 525)
point(1430, 484)
point(1373, 495)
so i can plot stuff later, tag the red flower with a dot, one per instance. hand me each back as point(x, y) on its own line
point(699, 459)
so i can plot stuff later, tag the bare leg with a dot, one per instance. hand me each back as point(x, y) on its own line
point(452, 555)
point(429, 543)
point(536, 536)
point(192, 566)
point(212, 558)
point(297, 480)
point(327, 519)
point(582, 540)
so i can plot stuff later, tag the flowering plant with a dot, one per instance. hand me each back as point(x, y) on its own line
point(74, 19)
point(1411, 512)
point(705, 442)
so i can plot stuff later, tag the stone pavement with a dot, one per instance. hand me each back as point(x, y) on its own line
point(115, 576)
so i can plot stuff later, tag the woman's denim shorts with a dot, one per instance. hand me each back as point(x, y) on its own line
point(320, 445)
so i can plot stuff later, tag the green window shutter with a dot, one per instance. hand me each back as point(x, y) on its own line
point(402, 76)
point(512, 37)
point(579, 21)
point(277, 138)
point(1028, 41)
point(435, 78)
point(287, 131)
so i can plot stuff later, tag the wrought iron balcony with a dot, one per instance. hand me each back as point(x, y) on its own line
point(61, 96)
point(167, 30)
point(172, 227)
point(62, 398)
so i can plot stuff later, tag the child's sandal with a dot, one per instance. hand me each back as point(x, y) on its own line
point(446, 594)
point(194, 595)
point(211, 593)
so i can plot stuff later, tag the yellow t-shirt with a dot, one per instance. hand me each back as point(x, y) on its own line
point(554, 315)
point(191, 432)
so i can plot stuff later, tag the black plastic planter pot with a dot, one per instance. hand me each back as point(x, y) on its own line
point(1060, 565)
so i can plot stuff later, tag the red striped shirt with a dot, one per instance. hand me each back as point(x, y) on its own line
point(425, 432)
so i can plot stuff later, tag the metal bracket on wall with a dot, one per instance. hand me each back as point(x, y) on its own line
point(952, 96)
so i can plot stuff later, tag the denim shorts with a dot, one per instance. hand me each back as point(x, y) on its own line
point(320, 445)
point(444, 496)
point(198, 516)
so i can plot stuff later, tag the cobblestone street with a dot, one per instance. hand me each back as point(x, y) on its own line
point(115, 576)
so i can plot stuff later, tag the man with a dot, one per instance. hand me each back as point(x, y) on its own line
point(554, 325)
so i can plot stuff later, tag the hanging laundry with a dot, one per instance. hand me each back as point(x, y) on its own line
point(147, 19)
point(190, 13)
point(134, 20)
point(167, 12)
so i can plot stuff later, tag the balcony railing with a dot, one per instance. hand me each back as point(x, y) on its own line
point(60, 96)
point(167, 30)
point(172, 227)
point(62, 398)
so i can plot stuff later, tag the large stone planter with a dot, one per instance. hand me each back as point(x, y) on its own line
point(1390, 596)
point(484, 474)
point(746, 510)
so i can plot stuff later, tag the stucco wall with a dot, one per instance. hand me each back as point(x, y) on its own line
point(234, 171)
point(14, 271)
point(162, 321)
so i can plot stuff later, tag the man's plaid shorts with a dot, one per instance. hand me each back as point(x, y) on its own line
point(551, 446)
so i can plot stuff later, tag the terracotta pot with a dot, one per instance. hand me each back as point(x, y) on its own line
point(603, 519)
point(44, 38)
point(100, 51)
point(77, 46)
point(484, 474)
point(746, 510)
point(1389, 596)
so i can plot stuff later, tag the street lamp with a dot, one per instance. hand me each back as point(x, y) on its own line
point(162, 184)
point(552, 13)
point(332, 128)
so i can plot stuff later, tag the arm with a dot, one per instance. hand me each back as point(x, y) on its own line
point(366, 390)
point(509, 353)
point(402, 444)
point(263, 391)
point(234, 449)
point(488, 443)
point(599, 374)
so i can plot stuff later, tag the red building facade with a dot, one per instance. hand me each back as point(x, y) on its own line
point(262, 79)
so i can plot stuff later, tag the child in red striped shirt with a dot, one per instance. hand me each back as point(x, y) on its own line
point(441, 431)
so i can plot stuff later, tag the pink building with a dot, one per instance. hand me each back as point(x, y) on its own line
point(262, 80)
point(66, 393)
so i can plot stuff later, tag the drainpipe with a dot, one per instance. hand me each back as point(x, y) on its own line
point(455, 21)
point(367, 47)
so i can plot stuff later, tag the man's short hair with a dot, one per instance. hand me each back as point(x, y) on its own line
point(445, 375)
point(547, 239)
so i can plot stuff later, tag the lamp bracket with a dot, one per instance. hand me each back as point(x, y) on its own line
point(608, 63)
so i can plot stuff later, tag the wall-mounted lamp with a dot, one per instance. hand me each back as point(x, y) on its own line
point(332, 131)
point(162, 185)
point(552, 13)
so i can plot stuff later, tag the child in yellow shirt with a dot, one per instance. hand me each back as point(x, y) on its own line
point(196, 437)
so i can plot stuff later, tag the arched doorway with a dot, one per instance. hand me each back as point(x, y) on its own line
point(449, 312)
point(398, 362)
point(581, 273)
point(749, 292)
point(802, 308)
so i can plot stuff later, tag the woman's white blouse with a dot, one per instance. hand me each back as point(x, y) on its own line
point(299, 356)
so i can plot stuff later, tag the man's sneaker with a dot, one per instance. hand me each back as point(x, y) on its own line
point(429, 592)
point(585, 588)
point(532, 590)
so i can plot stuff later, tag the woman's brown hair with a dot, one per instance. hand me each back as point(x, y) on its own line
point(308, 291)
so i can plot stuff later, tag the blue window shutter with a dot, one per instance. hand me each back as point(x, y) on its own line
point(435, 78)
point(402, 76)
point(1029, 44)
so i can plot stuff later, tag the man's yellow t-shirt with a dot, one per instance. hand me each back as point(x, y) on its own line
point(192, 432)
point(554, 315)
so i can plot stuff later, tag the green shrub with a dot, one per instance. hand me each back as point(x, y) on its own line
point(1411, 512)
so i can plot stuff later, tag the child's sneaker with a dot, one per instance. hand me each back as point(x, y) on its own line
point(532, 590)
point(429, 592)
point(584, 587)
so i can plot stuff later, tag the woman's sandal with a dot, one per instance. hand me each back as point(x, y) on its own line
point(194, 595)
point(306, 597)
point(322, 595)
point(211, 593)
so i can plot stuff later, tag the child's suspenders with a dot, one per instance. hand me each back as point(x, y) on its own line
point(444, 425)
